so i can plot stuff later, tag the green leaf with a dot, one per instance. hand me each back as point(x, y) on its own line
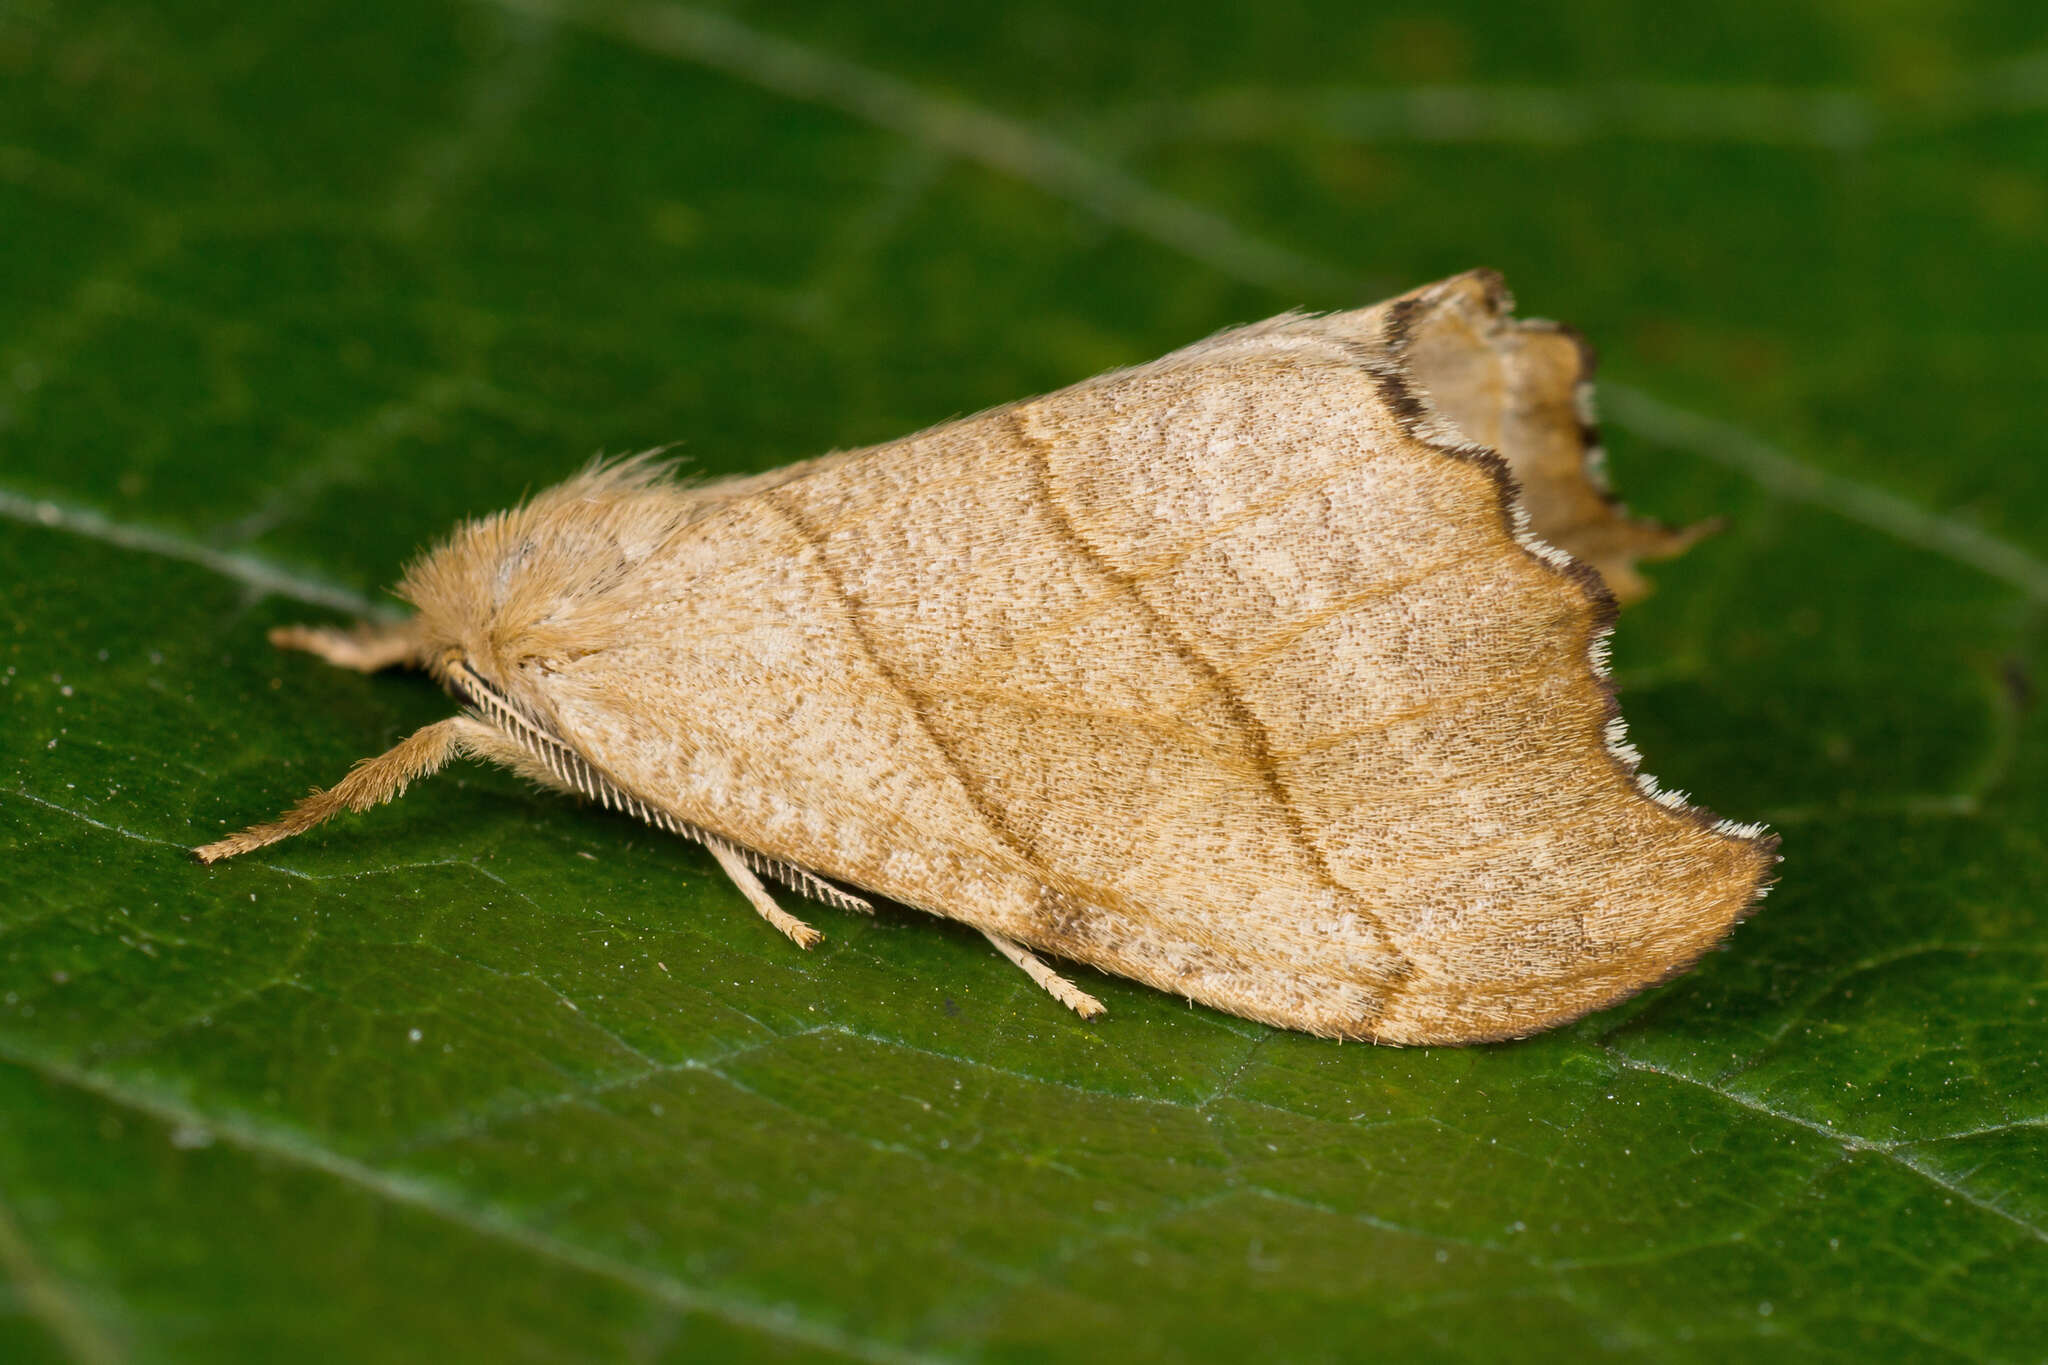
point(486, 1075)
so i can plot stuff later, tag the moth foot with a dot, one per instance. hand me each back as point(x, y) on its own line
point(735, 865)
point(1055, 985)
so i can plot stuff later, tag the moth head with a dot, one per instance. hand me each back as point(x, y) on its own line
point(515, 595)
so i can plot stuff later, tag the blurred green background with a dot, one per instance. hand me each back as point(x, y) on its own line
point(489, 1076)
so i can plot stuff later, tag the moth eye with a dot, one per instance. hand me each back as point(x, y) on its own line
point(464, 683)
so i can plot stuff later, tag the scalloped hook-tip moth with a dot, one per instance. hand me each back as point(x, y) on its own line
point(1271, 674)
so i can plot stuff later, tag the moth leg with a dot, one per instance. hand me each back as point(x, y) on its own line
point(366, 648)
point(735, 865)
point(1055, 985)
point(371, 782)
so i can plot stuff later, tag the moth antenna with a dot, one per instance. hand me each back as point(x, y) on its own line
point(366, 647)
point(371, 782)
point(576, 772)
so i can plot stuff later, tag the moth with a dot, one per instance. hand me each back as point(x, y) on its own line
point(1271, 674)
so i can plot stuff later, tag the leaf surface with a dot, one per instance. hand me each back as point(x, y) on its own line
point(486, 1075)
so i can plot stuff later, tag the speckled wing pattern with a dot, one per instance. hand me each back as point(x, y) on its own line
point(1240, 674)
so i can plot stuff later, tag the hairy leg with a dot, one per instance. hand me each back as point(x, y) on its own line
point(1055, 985)
point(371, 782)
point(729, 858)
point(366, 648)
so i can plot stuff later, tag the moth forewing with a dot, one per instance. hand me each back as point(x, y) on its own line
point(1245, 674)
point(551, 759)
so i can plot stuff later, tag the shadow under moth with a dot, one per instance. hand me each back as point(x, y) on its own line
point(1271, 673)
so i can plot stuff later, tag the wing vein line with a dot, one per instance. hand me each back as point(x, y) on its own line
point(1257, 740)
